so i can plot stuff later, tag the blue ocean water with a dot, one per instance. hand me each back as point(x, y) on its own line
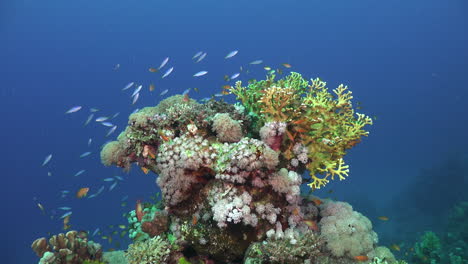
point(405, 61)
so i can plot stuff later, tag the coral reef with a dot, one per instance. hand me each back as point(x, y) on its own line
point(70, 248)
point(230, 178)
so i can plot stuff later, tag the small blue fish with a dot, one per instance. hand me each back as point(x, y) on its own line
point(134, 111)
point(115, 115)
point(66, 214)
point(102, 118)
point(79, 173)
point(201, 57)
point(93, 110)
point(85, 154)
point(73, 109)
point(234, 76)
point(49, 173)
point(65, 208)
point(164, 92)
point(124, 198)
point(137, 90)
point(231, 54)
point(163, 63)
point(128, 86)
point(112, 186)
point(168, 72)
point(256, 62)
point(108, 179)
point(118, 178)
point(90, 117)
point(107, 124)
point(197, 55)
point(90, 141)
point(111, 130)
point(95, 232)
point(135, 98)
point(100, 190)
point(200, 73)
point(47, 159)
point(186, 91)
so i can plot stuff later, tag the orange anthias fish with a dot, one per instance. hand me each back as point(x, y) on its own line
point(151, 87)
point(139, 211)
point(383, 218)
point(66, 220)
point(163, 137)
point(395, 247)
point(194, 220)
point(82, 192)
point(361, 258)
point(152, 69)
point(311, 224)
point(317, 202)
point(145, 170)
point(287, 65)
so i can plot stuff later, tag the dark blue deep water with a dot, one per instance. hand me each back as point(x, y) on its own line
point(405, 61)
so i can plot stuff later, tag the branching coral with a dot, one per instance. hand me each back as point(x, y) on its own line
point(323, 122)
point(153, 250)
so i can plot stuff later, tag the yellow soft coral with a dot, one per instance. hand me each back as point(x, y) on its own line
point(325, 123)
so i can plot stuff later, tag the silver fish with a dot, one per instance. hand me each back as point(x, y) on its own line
point(137, 90)
point(79, 173)
point(163, 63)
point(168, 72)
point(112, 186)
point(201, 57)
point(118, 178)
point(200, 73)
point(102, 118)
point(85, 154)
point(128, 86)
point(234, 76)
point(111, 130)
point(47, 159)
point(197, 55)
point(65, 208)
point(231, 54)
point(90, 117)
point(186, 91)
point(95, 232)
point(66, 214)
point(73, 109)
point(255, 62)
point(164, 92)
point(107, 124)
point(135, 98)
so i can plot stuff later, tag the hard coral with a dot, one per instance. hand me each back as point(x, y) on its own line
point(153, 250)
point(71, 248)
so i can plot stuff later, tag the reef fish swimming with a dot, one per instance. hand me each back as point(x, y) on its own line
point(47, 159)
point(231, 54)
point(73, 110)
point(200, 73)
point(168, 72)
